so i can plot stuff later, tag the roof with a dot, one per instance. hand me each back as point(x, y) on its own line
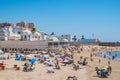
point(54, 39)
point(88, 40)
point(27, 31)
point(64, 40)
point(36, 33)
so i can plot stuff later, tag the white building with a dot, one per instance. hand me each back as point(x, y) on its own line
point(55, 42)
point(44, 36)
point(53, 38)
point(18, 33)
point(66, 38)
point(3, 34)
point(26, 35)
point(36, 36)
point(7, 34)
point(12, 35)
point(17, 29)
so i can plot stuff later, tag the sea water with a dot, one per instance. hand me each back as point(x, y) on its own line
point(110, 55)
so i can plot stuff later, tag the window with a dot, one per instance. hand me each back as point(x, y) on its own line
point(25, 37)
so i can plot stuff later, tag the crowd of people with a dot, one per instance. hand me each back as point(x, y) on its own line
point(66, 56)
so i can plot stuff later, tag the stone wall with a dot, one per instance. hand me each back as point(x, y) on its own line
point(24, 44)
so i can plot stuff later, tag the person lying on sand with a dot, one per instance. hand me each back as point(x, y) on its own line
point(71, 78)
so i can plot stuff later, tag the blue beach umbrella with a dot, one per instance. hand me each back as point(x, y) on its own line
point(33, 60)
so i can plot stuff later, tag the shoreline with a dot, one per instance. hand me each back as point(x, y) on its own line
point(104, 61)
point(110, 55)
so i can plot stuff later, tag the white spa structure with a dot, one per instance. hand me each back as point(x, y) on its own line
point(16, 37)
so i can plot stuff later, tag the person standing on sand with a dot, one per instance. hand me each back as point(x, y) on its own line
point(109, 69)
point(91, 57)
point(99, 61)
point(8, 57)
point(104, 56)
point(113, 57)
point(108, 62)
point(81, 58)
point(57, 64)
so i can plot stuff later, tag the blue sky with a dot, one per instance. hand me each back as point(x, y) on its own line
point(76, 17)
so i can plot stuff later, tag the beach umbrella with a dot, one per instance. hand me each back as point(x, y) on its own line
point(37, 55)
point(65, 60)
point(43, 52)
point(52, 54)
point(33, 60)
point(22, 55)
point(28, 56)
point(68, 58)
point(17, 52)
point(50, 62)
point(105, 67)
point(46, 56)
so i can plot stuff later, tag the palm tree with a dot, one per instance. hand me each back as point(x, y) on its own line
point(74, 38)
point(83, 37)
point(33, 30)
point(45, 34)
point(19, 32)
point(52, 34)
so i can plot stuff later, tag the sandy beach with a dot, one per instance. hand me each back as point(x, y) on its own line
point(40, 72)
point(91, 70)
